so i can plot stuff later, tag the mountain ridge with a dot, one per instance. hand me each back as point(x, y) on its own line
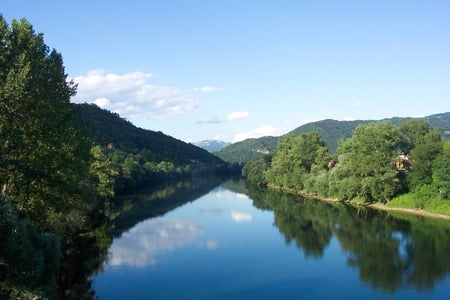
point(330, 130)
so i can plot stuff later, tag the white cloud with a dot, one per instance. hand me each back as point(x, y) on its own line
point(208, 89)
point(358, 103)
point(236, 115)
point(266, 130)
point(132, 95)
point(102, 102)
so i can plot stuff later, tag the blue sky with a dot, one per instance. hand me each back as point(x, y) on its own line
point(231, 70)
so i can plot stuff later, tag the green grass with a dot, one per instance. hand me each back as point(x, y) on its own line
point(410, 201)
point(403, 201)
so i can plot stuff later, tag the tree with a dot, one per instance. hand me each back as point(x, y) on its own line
point(441, 172)
point(45, 157)
point(255, 169)
point(366, 162)
point(423, 145)
point(294, 158)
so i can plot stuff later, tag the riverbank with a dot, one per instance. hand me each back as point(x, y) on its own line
point(378, 206)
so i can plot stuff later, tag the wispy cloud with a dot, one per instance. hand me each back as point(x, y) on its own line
point(212, 120)
point(266, 130)
point(132, 95)
point(208, 89)
point(236, 115)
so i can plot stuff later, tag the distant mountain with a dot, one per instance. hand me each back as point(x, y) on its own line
point(109, 128)
point(331, 132)
point(212, 145)
point(247, 150)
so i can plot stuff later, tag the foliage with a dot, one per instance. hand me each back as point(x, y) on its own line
point(255, 170)
point(422, 144)
point(441, 172)
point(377, 163)
point(45, 157)
point(53, 182)
point(294, 158)
point(28, 259)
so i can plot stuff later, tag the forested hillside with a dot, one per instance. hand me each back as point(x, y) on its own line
point(109, 128)
point(141, 157)
point(330, 131)
point(247, 150)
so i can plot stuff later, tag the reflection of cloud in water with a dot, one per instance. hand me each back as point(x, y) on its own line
point(212, 245)
point(239, 217)
point(241, 196)
point(138, 246)
point(212, 211)
point(229, 195)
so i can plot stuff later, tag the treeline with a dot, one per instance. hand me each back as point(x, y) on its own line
point(379, 162)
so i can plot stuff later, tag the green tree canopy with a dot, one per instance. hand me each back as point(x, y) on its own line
point(45, 158)
point(294, 157)
point(366, 162)
point(423, 145)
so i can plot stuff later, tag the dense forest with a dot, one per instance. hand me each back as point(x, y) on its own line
point(61, 167)
point(139, 156)
point(380, 162)
point(331, 132)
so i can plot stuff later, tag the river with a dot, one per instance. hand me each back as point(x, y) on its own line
point(229, 241)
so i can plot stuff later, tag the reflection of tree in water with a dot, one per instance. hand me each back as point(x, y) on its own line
point(298, 224)
point(390, 253)
point(29, 262)
point(373, 241)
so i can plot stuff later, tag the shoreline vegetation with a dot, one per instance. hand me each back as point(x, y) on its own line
point(403, 168)
point(378, 206)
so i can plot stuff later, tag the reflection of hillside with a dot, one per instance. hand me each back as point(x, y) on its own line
point(148, 203)
point(389, 253)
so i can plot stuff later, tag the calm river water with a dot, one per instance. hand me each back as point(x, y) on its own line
point(236, 243)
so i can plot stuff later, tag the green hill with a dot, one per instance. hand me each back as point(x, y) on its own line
point(109, 128)
point(331, 132)
point(247, 150)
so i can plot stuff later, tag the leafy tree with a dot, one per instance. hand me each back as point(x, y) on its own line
point(103, 173)
point(294, 158)
point(423, 144)
point(255, 170)
point(44, 157)
point(441, 172)
point(367, 158)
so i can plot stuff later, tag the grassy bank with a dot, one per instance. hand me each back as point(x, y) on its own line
point(406, 204)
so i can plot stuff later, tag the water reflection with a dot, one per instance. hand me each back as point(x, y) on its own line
point(139, 246)
point(389, 252)
point(240, 217)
